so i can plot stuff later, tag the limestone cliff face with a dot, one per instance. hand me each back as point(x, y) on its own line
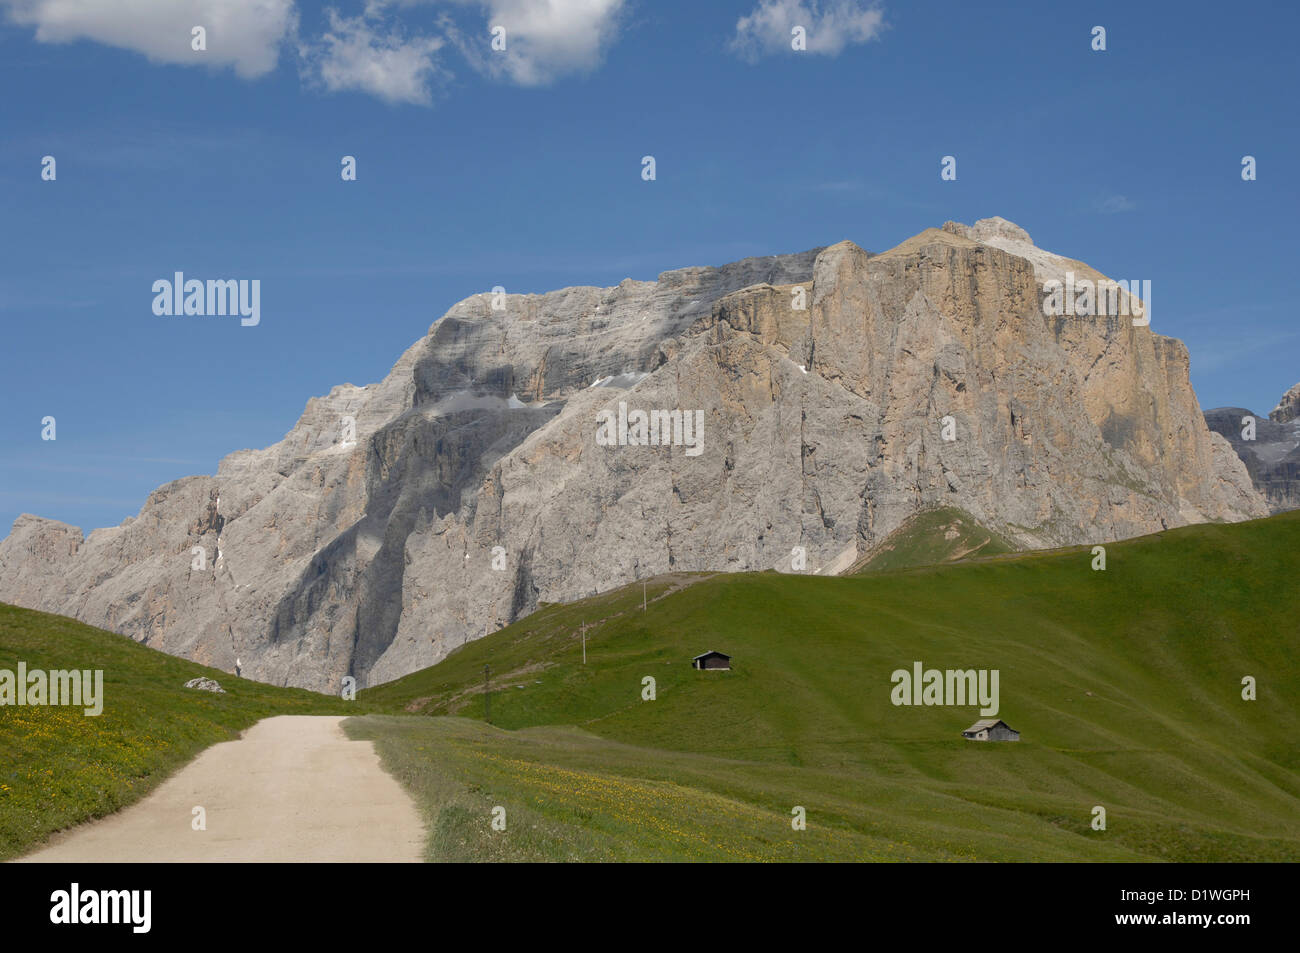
point(1269, 447)
point(474, 484)
point(1136, 390)
point(1288, 408)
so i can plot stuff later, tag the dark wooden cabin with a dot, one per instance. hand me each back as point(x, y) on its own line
point(712, 661)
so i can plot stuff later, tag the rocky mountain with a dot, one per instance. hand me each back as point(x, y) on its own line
point(1288, 408)
point(1269, 446)
point(507, 459)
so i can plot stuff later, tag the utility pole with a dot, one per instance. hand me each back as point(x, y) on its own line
point(584, 641)
point(643, 604)
point(487, 693)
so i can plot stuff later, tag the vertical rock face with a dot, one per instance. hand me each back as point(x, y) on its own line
point(1268, 446)
point(1288, 408)
point(477, 481)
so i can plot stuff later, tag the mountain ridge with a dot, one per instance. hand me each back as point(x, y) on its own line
point(471, 488)
point(1268, 446)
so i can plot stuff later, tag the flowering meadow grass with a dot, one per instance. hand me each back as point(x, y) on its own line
point(60, 767)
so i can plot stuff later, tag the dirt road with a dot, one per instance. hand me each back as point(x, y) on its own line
point(293, 788)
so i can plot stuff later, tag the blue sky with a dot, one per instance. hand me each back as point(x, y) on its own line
point(523, 169)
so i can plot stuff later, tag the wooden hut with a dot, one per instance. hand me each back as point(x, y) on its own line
point(991, 729)
point(712, 661)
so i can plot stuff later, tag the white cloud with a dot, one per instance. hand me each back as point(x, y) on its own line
point(354, 55)
point(373, 52)
point(546, 40)
point(829, 26)
point(243, 34)
point(1113, 204)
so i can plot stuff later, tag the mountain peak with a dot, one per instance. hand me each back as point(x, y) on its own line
point(831, 395)
point(1288, 408)
point(990, 231)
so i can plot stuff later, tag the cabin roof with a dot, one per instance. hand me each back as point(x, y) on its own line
point(710, 652)
point(989, 723)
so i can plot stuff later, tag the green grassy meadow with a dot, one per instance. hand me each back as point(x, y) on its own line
point(932, 537)
point(59, 767)
point(1125, 684)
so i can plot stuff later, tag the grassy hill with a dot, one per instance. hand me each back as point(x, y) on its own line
point(932, 537)
point(59, 767)
point(1125, 684)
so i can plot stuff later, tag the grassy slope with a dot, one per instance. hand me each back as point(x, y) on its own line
point(1125, 684)
point(933, 537)
point(59, 767)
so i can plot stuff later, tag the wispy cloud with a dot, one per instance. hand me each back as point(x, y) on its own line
point(371, 54)
point(389, 50)
point(1113, 204)
point(829, 26)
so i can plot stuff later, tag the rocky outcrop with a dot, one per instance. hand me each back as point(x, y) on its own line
point(1268, 446)
point(1288, 408)
point(206, 685)
point(839, 393)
